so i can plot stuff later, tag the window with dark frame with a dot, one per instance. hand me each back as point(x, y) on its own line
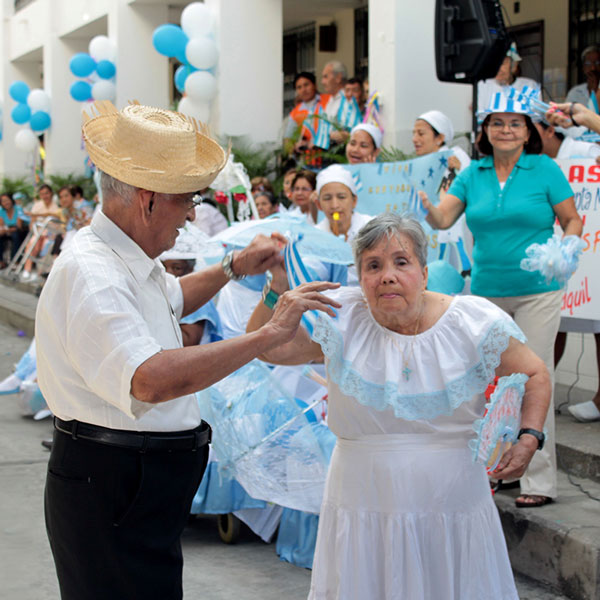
point(361, 42)
point(584, 30)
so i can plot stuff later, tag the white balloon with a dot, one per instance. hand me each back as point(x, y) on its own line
point(26, 140)
point(198, 110)
point(202, 53)
point(201, 86)
point(104, 90)
point(103, 48)
point(196, 19)
point(38, 100)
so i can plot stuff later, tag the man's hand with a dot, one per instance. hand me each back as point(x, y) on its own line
point(514, 462)
point(260, 255)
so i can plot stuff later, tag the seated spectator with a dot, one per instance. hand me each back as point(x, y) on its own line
point(354, 88)
point(303, 187)
point(42, 208)
point(301, 122)
point(505, 77)
point(364, 144)
point(587, 93)
point(260, 184)
point(288, 178)
point(266, 204)
point(74, 216)
point(557, 145)
point(13, 228)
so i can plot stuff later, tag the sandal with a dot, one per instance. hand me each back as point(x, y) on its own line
point(532, 501)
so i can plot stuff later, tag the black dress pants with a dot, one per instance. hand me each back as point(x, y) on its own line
point(115, 516)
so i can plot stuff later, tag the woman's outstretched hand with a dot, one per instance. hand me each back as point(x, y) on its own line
point(292, 304)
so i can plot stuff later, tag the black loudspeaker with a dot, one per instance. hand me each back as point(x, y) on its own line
point(470, 40)
point(327, 38)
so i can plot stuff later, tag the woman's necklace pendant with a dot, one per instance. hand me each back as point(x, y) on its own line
point(406, 372)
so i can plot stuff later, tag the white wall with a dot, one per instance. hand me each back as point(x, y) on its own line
point(402, 69)
point(250, 70)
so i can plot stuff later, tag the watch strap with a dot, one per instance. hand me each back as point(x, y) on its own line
point(269, 297)
point(539, 435)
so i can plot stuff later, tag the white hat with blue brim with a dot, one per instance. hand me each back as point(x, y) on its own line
point(520, 102)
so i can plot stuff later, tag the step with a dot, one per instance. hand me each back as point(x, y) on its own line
point(17, 307)
point(557, 544)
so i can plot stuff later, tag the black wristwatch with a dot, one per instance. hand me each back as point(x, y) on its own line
point(539, 435)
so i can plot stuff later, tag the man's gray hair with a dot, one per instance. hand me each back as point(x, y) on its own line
point(588, 50)
point(338, 68)
point(113, 188)
point(390, 224)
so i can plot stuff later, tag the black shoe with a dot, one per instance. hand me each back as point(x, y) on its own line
point(47, 443)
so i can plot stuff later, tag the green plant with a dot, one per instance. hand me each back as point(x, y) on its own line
point(18, 185)
point(259, 159)
point(86, 183)
point(393, 154)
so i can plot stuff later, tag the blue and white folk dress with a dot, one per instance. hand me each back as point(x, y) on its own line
point(406, 513)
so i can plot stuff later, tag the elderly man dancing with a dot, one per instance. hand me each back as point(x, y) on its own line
point(129, 445)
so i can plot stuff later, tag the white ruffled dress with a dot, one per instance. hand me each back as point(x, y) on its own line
point(406, 514)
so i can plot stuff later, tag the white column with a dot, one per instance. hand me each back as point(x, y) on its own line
point(402, 69)
point(14, 162)
point(250, 71)
point(64, 152)
point(142, 73)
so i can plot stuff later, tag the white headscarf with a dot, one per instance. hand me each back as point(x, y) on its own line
point(372, 130)
point(440, 122)
point(336, 174)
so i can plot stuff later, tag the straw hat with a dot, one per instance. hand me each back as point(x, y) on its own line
point(151, 148)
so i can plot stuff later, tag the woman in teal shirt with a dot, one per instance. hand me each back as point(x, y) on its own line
point(12, 227)
point(511, 199)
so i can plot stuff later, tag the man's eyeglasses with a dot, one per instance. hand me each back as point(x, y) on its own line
point(194, 201)
point(590, 63)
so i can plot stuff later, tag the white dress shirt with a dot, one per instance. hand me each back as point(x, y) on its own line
point(332, 107)
point(105, 309)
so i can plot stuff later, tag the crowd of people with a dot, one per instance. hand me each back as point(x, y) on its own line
point(129, 327)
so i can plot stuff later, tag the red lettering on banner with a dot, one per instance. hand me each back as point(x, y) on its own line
point(576, 174)
point(596, 239)
point(577, 298)
point(594, 174)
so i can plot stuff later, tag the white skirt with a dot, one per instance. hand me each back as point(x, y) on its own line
point(409, 517)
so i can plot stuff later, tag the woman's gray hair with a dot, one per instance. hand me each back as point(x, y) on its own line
point(390, 224)
point(113, 188)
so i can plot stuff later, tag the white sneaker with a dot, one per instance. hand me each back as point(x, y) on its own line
point(25, 275)
point(586, 411)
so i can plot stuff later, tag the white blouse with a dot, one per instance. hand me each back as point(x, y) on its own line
point(451, 365)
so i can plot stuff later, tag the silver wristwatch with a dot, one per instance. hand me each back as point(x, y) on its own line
point(226, 263)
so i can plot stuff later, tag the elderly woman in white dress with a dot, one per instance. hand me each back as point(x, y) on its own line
point(407, 514)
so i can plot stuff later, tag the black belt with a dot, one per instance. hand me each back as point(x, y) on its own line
point(137, 440)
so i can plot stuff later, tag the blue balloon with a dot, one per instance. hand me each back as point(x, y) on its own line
point(106, 69)
point(82, 64)
point(169, 40)
point(40, 121)
point(21, 113)
point(444, 278)
point(19, 91)
point(81, 91)
point(181, 74)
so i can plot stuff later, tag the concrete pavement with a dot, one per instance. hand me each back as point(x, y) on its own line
point(249, 570)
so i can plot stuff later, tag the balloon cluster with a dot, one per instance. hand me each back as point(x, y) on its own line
point(97, 71)
point(193, 46)
point(33, 108)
